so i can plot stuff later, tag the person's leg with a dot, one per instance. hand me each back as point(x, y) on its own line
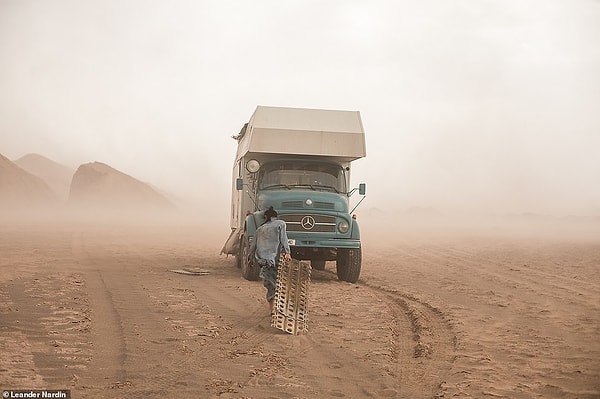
point(269, 277)
point(272, 305)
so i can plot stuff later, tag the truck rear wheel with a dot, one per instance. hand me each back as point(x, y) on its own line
point(317, 264)
point(348, 264)
point(249, 271)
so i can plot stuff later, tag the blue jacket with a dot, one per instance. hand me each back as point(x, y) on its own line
point(268, 240)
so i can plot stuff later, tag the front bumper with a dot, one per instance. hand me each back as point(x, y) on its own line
point(310, 242)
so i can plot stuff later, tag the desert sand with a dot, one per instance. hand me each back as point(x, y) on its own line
point(437, 313)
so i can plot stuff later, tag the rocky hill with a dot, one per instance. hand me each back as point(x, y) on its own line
point(20, 189)
point(57, 176)
point(98, 185)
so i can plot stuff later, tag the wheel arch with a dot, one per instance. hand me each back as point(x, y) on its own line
point(355, 230)
point(250, 225)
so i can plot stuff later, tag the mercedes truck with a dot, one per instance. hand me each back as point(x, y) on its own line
point(298, 161)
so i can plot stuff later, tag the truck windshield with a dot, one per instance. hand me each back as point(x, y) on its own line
point(314, 176)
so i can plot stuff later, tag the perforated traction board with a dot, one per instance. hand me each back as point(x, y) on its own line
point(290, 313)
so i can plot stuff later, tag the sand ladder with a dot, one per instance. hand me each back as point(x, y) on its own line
point(290, 313)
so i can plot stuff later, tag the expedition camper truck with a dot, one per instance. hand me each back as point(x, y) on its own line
point(298, 160)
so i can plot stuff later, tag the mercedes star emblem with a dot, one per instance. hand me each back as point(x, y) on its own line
point(308, 222)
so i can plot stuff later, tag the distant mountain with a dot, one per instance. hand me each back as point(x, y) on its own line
point(529, 217)
point(372, 212)
point(419, 211)
point(20, 189)
point(57, 176)
point(101, 186)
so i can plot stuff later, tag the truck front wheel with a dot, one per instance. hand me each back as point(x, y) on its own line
point(238, 259)
point(249, 271)
point(348, 264)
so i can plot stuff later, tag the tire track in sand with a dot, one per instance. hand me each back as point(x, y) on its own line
point(411, 345)
point(107, 335)
point(126, 327)
point(426, 360)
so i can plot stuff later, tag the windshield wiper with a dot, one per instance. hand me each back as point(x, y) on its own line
point(304, 185)
point(327, 187)
point(277, 186)
point(314, 187)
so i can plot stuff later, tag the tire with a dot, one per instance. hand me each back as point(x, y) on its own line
point(317, 264)
point(348, 264)
point(249, 271)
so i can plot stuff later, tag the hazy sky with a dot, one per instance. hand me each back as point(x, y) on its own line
point(487, 105)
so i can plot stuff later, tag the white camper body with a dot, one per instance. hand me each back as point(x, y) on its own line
point(301, 131)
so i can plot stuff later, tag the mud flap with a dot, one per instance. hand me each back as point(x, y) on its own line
point(232, 245)
point(291, 297)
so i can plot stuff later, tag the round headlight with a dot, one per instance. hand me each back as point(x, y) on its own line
point(252, 166)
point(343, 226)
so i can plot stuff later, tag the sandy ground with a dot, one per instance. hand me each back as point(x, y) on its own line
point(98, 311)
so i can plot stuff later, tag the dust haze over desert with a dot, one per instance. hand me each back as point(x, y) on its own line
point(480, 226)
point(478, 108)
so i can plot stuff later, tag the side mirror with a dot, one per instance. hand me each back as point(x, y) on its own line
point(239, 184)
point(362, 188)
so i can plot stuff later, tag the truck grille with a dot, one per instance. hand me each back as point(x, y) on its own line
point(309, 223)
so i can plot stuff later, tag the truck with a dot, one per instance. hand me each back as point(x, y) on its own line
point(298, 160)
